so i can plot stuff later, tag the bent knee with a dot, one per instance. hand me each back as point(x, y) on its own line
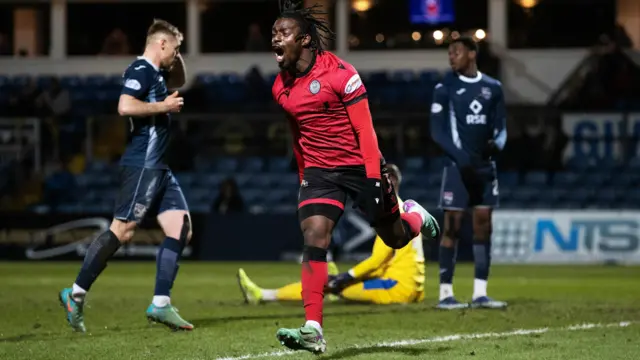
point(452, 226)
point(123, 230)
point(317, 236)
point(482, 227)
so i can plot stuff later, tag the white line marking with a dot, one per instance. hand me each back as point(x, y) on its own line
point(447, 338)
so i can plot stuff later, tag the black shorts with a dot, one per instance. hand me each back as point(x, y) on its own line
point(147, 192)
point(324, 192)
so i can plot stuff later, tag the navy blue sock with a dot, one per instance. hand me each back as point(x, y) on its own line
point(482, 258)
point(175, 272)
point(447, 264)
point(166, 266)
point(95, 260)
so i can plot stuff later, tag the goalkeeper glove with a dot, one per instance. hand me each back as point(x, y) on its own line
point(338, 282)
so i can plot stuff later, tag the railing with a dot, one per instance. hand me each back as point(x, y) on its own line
point(20, 141)
point(400, 133)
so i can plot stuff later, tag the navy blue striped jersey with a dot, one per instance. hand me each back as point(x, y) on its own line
point(149, 136)
point(465, 114)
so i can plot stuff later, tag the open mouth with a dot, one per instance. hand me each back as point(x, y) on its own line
point(279, 53)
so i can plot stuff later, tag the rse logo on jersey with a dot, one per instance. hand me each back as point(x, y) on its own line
point(476, 118)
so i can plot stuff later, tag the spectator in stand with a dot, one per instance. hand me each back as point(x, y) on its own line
point(229, 199)
point(116, 43)
point(22, 103)
point(255, 41)
point(54, 105)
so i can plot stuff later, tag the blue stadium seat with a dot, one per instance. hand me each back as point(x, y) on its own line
point(4, 81)
point(378, 78)
point(279, 164)
point(634, 163)
point(115, 81)
point(409, 179)
point(96, 81)
point(271, 78)
point(252, 165)
point(508, 178)
point(103, 180)
point(226, 165)
point(251, 196)
point(185, 179)
point(536, 178)
point(525, 194)
point(97, 166)
point(434, 181)
point(273, 197)
point(581, 194)
point(20, 80)
point(289, 181)
point(44, 81)
point(200, 207)
point(206, 78)
point(566, 179)
point(202, 194)
point(581, 164)
point(403, 76)
point(622, 180)
point(69, 208)
point(244, 179)
point(417, 92)
point(96, 208)
point(414, 164)
point(557, 194)
point(596, 179)
point(414, 193)
point(436, 164)
point(430, 77)
point(262, 181)
point(211, 181)
point(71, 81)
point(571, 205)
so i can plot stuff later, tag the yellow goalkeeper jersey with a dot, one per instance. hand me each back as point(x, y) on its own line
point(405, 265)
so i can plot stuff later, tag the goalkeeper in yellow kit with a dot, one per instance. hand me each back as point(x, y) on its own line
point(388, 276)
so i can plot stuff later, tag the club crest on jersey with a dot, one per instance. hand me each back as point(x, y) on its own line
point(447, 197)
point(314, 87)
point(139, 210)
point(486, 93)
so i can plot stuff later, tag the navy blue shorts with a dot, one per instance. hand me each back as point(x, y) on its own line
point(147, 191)
point(455, 196)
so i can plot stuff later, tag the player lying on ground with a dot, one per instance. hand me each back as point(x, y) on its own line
point(388, 276)
point(468, 121)
point(147, 185)
point(337, 152)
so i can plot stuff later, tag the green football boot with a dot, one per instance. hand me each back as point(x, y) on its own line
point(74, 310)
point(304, 338)
point(168, 316)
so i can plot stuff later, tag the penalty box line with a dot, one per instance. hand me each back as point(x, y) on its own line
point(446, 338)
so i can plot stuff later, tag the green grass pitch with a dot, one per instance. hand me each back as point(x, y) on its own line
point(545, 302)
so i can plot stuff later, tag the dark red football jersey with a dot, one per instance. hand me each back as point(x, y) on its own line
point(316, 104)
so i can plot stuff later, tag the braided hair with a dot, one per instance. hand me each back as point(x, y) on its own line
point(317, 28)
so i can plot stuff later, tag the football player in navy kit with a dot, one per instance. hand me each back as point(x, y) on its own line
point(468, 121)
point(147, 185)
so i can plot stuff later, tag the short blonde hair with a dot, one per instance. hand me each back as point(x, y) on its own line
point(163, 27)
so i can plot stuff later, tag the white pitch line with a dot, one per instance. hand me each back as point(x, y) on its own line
point(447, 338)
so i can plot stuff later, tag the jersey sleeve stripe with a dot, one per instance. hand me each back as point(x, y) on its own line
point(356, 100)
